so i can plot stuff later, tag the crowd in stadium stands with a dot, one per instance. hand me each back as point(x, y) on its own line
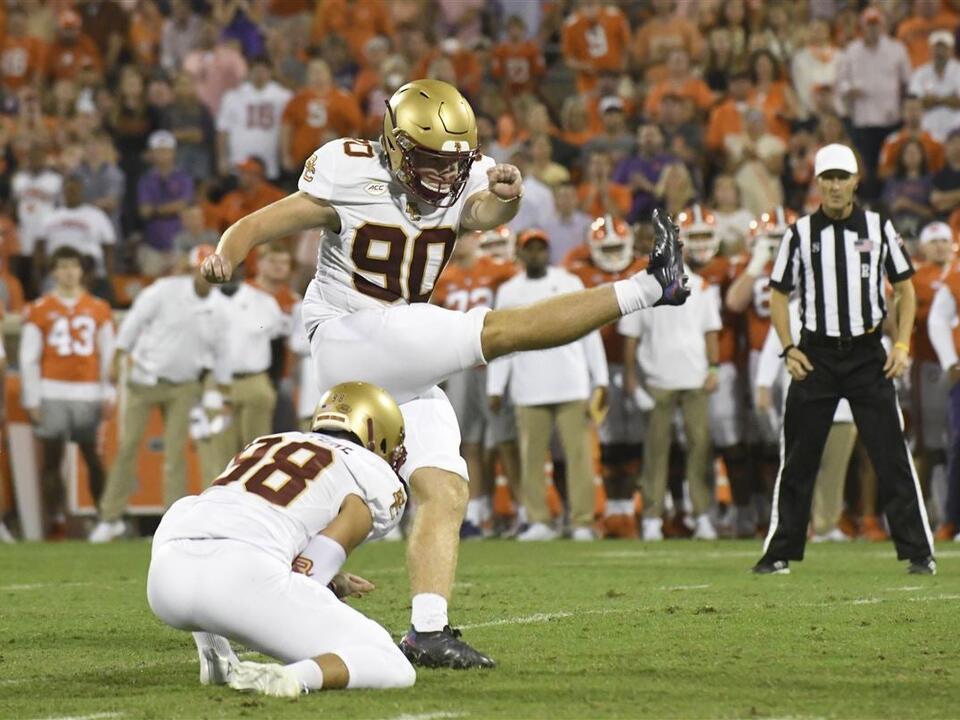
point(136, 131)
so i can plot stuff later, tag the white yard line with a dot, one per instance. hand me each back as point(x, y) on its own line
point(82, 583)
point(94, 716)
point(685, 587)
point(429, 716)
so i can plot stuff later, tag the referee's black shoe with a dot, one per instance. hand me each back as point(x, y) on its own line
point(923, 566)
point(666, 261)
point(772, 567)
point(442, 649)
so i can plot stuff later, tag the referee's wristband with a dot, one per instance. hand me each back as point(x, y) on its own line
point(787, 349)
point(903, 346)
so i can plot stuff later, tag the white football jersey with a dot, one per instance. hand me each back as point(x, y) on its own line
point(36, 195)
point(283, 489)
point(390, 248)
point(252, 117)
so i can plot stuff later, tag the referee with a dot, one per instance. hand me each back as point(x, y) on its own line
point(837, 260)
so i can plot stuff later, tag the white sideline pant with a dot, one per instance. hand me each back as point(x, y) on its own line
point(230, 588)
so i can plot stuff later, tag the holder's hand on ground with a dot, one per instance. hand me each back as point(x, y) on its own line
point(216, 269)
point(346, 585)
point(798, 364)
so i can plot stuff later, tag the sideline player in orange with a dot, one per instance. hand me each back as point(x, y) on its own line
point(471, 280)
point(66, 346)
point(749, 293)
point(611, 258)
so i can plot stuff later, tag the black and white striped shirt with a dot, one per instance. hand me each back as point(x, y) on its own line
point(838, 267)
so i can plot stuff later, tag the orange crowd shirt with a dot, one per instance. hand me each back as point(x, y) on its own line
point(21, 60)
point(318, 117)
point(601, 43)
point(518, 65)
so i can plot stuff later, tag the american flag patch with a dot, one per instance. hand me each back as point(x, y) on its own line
point(863, 245)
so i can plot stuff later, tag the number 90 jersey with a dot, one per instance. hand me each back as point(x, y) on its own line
point(390, 248)
point(281, 490)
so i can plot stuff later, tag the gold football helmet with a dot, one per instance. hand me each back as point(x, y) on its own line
point(430, 137)
point(369, 413)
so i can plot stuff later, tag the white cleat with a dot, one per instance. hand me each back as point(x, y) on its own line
point(704, 529)
point(582, 534)
point(105, 531)
point(264, 678)
point(653, 529)
point(834, 536)
point(6, 536)
point(538, 532)
point(215, 668)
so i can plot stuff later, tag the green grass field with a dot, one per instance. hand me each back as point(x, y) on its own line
point(607, 629)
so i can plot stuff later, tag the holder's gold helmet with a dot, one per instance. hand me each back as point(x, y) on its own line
point(369, 413)
point(430, 137)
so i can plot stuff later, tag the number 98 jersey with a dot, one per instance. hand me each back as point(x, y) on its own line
point(390, 248)
point(281, 490)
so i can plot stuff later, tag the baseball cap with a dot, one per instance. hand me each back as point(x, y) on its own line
point(942, 36)
point(835, 157)
point(530, 235)
point(162, 140)
point(200, 253)
point(611, 102)
point(872, 14)
point(935, 231)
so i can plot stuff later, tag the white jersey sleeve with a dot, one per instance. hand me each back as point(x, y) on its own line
point(381, 490)
point(478, 179)
point(318, 179)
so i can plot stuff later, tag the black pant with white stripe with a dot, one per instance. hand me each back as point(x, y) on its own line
point(851, 369)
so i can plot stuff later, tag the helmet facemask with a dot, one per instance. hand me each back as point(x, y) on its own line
point(701, 247)
point(435, 177)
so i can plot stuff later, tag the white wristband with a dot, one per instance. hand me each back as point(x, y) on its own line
point(321, 559)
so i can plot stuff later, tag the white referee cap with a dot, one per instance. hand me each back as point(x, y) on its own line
point(835, 157)
point(935, 231)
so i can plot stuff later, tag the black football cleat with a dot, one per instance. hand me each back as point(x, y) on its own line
point(922, 566)
point(442, 649)
point(772, 567)
point(666, 261)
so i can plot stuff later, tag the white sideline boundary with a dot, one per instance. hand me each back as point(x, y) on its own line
point(439, 715)
point(94, 716)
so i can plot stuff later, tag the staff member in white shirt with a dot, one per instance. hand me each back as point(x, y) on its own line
point(176, 330)
point(938, 84)
point(550, 387)
point(36, 189)
point(256, 320)
point(677, 350)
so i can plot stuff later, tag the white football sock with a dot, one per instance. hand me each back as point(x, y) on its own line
point(428, 612)
point(637, 292)
point(308, 673)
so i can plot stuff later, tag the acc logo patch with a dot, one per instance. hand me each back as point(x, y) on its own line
point(376, 188)
point(310, 168)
